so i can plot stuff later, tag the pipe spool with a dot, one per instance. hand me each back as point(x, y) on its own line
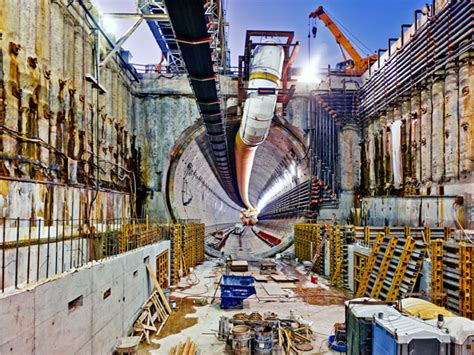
point(263, 341)
point(241, 338)
point(265, 72)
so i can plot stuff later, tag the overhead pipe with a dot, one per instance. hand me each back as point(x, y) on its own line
point(265, 73)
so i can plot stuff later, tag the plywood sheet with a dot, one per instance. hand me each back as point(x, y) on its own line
point(287, 285)
point(274, 290)
point(260, 278)
point(283, 278)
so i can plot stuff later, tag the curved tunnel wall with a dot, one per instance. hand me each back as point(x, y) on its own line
point(192, 191)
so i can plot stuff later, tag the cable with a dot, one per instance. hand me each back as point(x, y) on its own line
point(361, 45)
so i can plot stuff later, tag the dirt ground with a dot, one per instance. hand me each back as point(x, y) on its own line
point(320, 296)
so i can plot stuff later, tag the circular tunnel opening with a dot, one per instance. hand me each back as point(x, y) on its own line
point(193, 190)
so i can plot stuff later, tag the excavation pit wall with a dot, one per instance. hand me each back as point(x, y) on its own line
point(82, 311)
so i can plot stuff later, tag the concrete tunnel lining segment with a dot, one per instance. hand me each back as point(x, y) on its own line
point(188, 173)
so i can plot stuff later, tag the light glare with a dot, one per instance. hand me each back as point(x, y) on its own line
point(310, 72)
point(109, 24)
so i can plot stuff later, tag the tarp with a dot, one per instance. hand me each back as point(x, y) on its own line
point(397, 169)
point(423, 309)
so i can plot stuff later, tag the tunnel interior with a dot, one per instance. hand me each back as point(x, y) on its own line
point(193, 190)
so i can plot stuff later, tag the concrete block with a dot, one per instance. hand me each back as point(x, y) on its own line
point(86, 349)
point(135, 292)
point(107, 293)
point(71, 313)
point(104, 341)
point(63, 309)
point(65, 331)
point(53, 297)
point(22, 344)
point(17, 313)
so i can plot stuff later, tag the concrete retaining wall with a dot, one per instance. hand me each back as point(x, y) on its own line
point(72, 314)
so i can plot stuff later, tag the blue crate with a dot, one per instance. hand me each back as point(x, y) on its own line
point(234, 289)
point(232, 302)
point(231, 280)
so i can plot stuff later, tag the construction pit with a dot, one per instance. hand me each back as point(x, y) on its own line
point(279, 299)
point(176, 179)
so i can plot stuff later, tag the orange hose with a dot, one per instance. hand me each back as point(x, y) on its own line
point(244, 156)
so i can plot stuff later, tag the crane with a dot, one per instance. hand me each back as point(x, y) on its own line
point(357, 63)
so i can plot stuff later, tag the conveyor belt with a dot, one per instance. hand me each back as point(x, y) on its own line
point(189, 25)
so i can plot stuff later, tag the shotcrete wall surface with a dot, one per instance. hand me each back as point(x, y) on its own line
point(193, 190)
point(434, 105)
point(84, 311)
point(163, 108)
point(436, 149)
point(54, 122)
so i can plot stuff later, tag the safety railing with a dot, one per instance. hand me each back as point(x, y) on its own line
point(35, 249)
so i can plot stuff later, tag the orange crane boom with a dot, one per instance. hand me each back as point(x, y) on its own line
point(360, 64)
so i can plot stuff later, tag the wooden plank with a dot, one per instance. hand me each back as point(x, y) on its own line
point(159, 307)
point(287, 285)
point(260, 278)
point(162, 325)
point(158, 288)
point(192, 349)
point(180, 349)
point(283, 278)
point(149, 327)
point(239, 265)
point(187, 346)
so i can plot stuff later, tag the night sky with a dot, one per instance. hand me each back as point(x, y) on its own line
point(371, 21)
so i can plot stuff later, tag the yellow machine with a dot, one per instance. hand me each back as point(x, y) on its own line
point(357, 64)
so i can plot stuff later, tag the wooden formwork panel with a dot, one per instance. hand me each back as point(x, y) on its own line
point(189, 246)
point(162, 269)
point(437, 270)
point(308, 237)
point(176, 252)
point(360, 260)
point(200, 234)
point(465, 280)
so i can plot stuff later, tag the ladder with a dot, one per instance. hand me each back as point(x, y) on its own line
point(327, 227)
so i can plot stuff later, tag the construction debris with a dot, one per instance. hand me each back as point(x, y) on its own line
point(266, 334)
point(128, 345)
point(283, 278)
point(153, 312)
point(239, 266)
point(187, 348)
point(267, 268)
